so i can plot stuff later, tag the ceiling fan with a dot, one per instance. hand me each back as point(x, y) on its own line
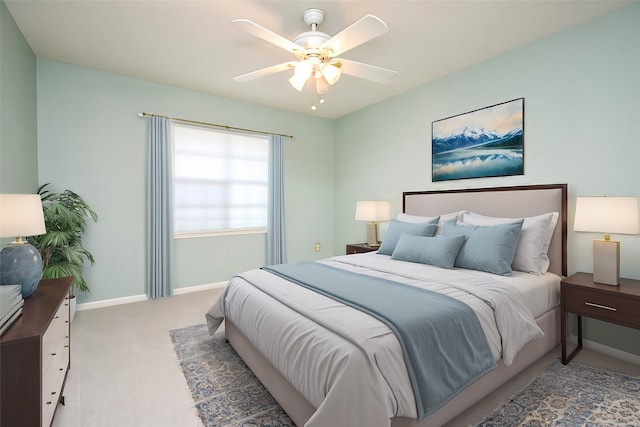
point(317, 52)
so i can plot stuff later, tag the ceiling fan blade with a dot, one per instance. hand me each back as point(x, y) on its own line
point(268, 35)
point(366, 71)
point(367, 28)
point(265, 72)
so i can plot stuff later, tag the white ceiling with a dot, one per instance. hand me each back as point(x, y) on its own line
point(194, 45)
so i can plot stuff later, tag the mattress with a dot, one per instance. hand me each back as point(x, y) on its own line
point(540, 293)
point(324, 348)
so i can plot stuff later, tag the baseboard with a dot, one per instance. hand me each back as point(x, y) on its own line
point(197, 288)
point(604, 349)
point(110, 302)
point(610, 351)
point(139, 298)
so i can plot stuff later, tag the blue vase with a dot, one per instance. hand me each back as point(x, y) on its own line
point(21, 264)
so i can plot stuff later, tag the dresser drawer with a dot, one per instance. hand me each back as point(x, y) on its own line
point(55, 361)
point(55, 340)
point(55, 357)
point(609, 307)
point(52, 381)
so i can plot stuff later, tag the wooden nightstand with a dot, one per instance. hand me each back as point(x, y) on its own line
point(614, 304)
point(360, 248)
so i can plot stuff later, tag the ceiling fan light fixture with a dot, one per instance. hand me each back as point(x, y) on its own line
point(302, 72)
point(304, 69)
point(297, 82)
point(331, 73)
point(322, 86)
point(317, 52)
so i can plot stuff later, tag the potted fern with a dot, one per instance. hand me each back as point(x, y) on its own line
point(63, 254)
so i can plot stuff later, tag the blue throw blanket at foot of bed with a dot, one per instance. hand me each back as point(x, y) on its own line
point(443, 343)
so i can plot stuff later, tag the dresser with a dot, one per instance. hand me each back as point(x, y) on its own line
point(35, 355)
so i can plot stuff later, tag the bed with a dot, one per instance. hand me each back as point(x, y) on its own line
point(328, 364)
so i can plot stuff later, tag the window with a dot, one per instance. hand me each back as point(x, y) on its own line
point(220, 181)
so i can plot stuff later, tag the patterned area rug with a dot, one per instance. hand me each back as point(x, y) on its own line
point(225, 391)
point(227, 394)
point(572, 395)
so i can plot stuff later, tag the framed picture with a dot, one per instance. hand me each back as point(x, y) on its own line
point(482, 143)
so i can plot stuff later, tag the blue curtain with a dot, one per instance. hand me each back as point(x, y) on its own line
point(276, 248)
point(159, 209)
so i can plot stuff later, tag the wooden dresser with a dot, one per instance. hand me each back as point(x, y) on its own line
point(34, 357)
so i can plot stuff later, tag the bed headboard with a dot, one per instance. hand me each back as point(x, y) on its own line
point(516, 201)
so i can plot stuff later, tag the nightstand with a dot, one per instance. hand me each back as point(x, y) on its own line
point(360, 248)
point(614, 304)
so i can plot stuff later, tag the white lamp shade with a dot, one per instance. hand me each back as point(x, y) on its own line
point(21, 215)
point(297, 82)
point(373, 210)
point(611, 215)
point(331, 73)
point(301, 74)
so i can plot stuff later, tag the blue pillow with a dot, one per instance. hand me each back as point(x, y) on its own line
point(438, 251)
point(487, 248)
point(396, 228)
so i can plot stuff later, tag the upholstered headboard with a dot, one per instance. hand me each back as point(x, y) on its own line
point(515, 202)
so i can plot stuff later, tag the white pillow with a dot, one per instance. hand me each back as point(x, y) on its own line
point(451, 217)
point(535, 238)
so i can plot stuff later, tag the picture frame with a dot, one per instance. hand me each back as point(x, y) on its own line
point(487, 142)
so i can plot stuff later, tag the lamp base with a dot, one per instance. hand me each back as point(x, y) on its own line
point(606, 262)
point(372, 234)
point(21, 264)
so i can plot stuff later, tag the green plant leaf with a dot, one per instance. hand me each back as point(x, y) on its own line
point(66, 217)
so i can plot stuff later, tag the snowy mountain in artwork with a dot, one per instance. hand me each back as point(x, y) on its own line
point(471, 137)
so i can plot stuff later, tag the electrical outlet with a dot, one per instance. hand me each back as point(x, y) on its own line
point(317, 247)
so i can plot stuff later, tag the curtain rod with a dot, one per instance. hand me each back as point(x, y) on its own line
point(213, 124)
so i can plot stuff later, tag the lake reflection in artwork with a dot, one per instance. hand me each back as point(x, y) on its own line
point(483, 143)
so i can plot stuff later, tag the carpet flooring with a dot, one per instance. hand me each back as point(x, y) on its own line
point(227, 394)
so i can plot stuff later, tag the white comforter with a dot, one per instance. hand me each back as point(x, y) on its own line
point(346, 363)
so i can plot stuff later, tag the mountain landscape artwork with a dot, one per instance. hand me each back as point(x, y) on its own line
point(488, 142)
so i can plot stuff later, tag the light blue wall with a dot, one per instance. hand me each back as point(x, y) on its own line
point(582, 107)
point(92, 141)
point(18, 137)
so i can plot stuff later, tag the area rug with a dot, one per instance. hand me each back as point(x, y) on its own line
point(572, 395)
point(226, 392)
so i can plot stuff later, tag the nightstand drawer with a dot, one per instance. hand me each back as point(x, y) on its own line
point(608, 307)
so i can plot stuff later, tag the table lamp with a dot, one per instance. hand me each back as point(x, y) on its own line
point(610, 215)
point(20, 263)
point(372, 211)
